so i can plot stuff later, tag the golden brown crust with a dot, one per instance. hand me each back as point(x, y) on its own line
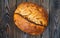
point(26, 26)
point(34, 13)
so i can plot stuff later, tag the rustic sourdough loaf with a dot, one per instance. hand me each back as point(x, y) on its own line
point(31, 18)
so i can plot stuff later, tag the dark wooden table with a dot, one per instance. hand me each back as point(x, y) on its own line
point(8, 28)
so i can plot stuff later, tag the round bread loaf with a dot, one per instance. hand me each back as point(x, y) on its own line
point(31, 18)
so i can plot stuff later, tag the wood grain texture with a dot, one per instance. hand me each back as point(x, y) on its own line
point(52, 31)
point(54, 17)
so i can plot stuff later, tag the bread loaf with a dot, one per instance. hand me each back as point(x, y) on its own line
point(31, 18)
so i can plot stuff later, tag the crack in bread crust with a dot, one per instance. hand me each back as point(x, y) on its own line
point(29, 20)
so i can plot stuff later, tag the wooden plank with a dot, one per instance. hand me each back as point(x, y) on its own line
point(12, 6)
point(34, 1)
point(12, 3)
point(18, 2)
point(54, 19)
point(2, 29)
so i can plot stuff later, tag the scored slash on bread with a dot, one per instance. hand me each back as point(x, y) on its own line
point(34, 15)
